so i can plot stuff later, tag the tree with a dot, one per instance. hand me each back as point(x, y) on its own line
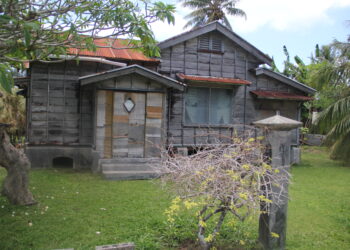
point(206, 11)
point(16, 183)
point(42, 29)
point(220, 181)
point(335, 121)
point(12, 111)
point(328, 73)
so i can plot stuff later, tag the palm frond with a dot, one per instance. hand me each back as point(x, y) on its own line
point(236, 12)
point(334, 113)
point(339, 130)
point(206, 11)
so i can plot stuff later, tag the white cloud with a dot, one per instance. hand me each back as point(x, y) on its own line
point(278, 14)
point(284, 14)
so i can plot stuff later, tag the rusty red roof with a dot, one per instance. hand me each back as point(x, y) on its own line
point(276, 95)
point(117, 49)
point(212, 79)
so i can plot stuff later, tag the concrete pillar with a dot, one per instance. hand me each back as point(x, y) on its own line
point(273, 225)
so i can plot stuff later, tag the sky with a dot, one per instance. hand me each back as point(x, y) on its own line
point(270, 24)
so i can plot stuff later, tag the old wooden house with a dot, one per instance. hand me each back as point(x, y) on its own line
point(113, 109)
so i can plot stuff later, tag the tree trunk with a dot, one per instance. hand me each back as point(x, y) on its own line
point(15, 186)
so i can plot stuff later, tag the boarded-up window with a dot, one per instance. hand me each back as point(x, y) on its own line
point(211, 106)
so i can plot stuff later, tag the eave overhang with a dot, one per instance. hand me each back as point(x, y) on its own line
point(277, 95)
point(211, 79)
point(132, 69)
point(286, 80)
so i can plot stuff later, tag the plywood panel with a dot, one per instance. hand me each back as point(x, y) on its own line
point(154, 117)
point(137, 125)
point(120, 126)
point(108, 124)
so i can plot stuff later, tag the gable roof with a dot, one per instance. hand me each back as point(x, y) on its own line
point(150, 74)
point(285, 79)
point(113, 48)
point(216, 26)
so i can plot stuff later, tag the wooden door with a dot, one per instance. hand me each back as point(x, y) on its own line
point(133, 133)
point(129, 125)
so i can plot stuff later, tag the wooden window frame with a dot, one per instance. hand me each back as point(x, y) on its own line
point(208, 125)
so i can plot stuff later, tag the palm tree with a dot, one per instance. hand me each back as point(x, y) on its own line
point(336, 121)
point(206, 11)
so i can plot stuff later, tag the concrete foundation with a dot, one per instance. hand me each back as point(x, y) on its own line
point(295, 155)
point(44, 155)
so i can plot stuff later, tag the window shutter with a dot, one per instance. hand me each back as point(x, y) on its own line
point(204, 42)
point(216, 44)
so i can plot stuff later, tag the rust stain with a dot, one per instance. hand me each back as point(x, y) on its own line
point(276, 95)
point(121, 118)
point(154, 112)
point(154, 109)
point(113, 49)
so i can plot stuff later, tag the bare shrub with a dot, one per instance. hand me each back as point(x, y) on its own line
point(222, 179)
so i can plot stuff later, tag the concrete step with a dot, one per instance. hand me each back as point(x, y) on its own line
point(129, 175)
point(127, 166)
point(129, 160)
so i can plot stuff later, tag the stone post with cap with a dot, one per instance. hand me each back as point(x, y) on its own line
point(272, 225)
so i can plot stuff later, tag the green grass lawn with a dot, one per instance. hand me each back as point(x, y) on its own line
point(81, 210)
point(319, 210)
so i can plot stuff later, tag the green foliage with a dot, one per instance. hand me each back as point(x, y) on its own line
point(335, 121)
point(12, 111)
point(40, 30)
point(6, 80)
point(318, 213)
point(206, 11)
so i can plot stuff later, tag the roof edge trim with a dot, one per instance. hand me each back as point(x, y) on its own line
point(285, 79)
point(167, 81)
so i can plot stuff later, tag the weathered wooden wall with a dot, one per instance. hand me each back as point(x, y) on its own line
point(139, 133)
point(60, 111)
point(234, 62)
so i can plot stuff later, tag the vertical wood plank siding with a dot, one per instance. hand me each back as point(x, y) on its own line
point(234, 62)
point(186, 58)
point(60, 111)
point(108, 124)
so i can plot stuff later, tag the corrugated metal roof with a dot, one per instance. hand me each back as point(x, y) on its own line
point(117, 49)
point(275, 95)
point(212, 79)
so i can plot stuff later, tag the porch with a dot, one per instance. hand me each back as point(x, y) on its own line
point(130, 120)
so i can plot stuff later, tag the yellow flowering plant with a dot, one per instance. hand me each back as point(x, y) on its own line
point(219, 180)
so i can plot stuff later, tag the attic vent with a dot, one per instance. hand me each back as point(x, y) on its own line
point(204, 42)
point(210, 43)
point(216, 44)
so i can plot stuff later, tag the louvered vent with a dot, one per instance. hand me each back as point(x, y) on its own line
point(216, 45)
point(204, 42)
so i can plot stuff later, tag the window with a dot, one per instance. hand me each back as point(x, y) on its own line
point(212, 106)
point(210, 43)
